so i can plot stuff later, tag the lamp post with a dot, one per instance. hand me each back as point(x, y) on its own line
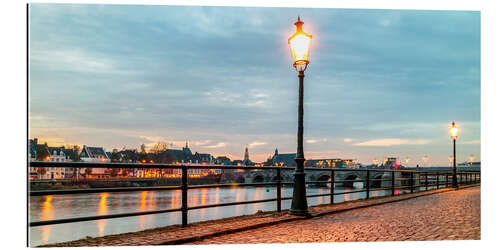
point(300, 43)
point(454, 135)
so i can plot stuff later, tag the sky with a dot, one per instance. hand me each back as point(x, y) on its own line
point(381, 83)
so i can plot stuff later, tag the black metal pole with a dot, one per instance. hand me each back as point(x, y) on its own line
point(454, 180)
point(184, 188)
point(299, 200)
point(426, 181)
point(367, 183)
point(278, 190)
point(393, 184)
point(332, 186)
point(411, 182)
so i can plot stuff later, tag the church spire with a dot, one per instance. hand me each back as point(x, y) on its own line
point(247, 157)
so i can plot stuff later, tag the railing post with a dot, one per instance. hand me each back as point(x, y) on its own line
point(437, 180)
point(426, 181)
point(393, 183)
point(367, 183)
point(184, 188)
point(411, 182)
point(332, 186)
point(278, 190)
point(446, 185)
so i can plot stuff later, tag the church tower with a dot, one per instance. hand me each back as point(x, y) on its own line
point(246, 159)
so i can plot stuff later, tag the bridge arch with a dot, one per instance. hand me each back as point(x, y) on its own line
point(275, 178)
point(349, 180)
point(258, 179)
point(376, 180)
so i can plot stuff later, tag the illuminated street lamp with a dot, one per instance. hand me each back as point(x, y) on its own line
point(454, 135)
point(300, 43)
point(425, 159)
point(471, 159)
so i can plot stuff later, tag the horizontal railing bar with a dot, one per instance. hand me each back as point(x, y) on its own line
point(100, 190)
point(234, 185)
point(378, 189)
point(318, 195)
point(231, 204)
point(100, 217)
point(352, 192)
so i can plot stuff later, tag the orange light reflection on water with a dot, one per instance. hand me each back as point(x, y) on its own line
point(102, 210)
point(203, 201)
point(47, 213)
point(142, 207)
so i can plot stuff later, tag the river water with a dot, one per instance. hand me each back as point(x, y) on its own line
point(77, 205)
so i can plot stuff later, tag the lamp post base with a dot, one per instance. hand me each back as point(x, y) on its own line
point(454, 182)
point(299, 199)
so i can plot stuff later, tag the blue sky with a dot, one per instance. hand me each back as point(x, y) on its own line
point(380, 83)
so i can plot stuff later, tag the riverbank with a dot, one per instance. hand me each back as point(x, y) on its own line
point(203, 230)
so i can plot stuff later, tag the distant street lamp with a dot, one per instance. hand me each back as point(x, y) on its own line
point(425, 159)
point(300, 43)
point(454, 135)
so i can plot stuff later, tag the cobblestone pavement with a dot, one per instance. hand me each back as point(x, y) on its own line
point(451, 215)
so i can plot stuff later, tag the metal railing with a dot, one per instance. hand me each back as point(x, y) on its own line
point(371, 183)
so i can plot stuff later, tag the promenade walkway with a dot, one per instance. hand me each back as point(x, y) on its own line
point(451, 215)
point(444, 214)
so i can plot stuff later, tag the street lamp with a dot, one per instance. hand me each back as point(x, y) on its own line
point(471, 159)
point(454, 135)
point(300, 43)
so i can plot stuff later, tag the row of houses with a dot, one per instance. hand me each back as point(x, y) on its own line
point(42, 152)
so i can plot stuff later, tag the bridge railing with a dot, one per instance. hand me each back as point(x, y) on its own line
point(410, 180)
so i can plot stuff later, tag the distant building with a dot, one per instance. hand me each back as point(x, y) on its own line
point(283, 159)
point(95, 155)
point(222, 160)
point(391, 163)
point(470, 164)
point(331, 163)
point(43, 152)
point(246, 159)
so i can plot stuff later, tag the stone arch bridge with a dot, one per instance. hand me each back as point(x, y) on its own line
point(345, 177)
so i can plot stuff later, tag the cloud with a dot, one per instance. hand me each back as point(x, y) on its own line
point(392, 142)
point(313, 141)
point(169, 73)
point(218, 145)
point(256, 144)
point(472, 142)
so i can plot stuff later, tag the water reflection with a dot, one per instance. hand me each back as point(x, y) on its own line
point(102, 210)
point(142, 207)
point(47, 213)
point(79, 205)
